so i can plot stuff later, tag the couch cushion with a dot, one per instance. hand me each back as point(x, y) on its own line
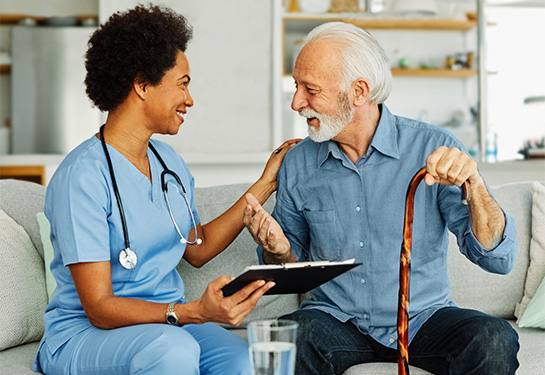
point(22, 200)
point(22, 286)
point(492, 293)
point(536, 270)
point(534, 315)
point(381, 368)
point(45, 231)
point(19, 360)
point(212, 202)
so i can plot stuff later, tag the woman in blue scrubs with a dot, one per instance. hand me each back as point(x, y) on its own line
point(119, 304)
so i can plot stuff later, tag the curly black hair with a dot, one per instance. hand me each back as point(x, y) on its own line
point(141, 43)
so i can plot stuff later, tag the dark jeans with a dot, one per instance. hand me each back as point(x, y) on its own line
point(452, 341)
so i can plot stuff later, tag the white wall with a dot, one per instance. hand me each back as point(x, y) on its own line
point(230, 62)
point(516, 54)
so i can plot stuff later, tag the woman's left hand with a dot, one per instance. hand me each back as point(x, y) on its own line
point(275, 161)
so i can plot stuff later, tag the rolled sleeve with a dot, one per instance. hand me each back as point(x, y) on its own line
point(498, 260)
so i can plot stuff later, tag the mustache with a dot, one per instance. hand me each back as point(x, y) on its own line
point(309, 113)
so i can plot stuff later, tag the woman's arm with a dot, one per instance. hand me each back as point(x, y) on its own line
point(105, 310)
point(220, 232)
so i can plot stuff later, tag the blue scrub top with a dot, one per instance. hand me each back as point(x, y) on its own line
point(86, 227)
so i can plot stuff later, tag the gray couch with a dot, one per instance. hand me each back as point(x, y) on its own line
point(22, 276)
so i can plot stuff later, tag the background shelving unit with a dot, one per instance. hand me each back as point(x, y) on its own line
point(292, 27)
point(16, 19)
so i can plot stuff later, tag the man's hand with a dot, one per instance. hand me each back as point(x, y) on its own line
point(266, 232)
point(214, 307)
point(450, 166)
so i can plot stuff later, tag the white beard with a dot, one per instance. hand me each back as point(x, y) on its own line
point(330, 125)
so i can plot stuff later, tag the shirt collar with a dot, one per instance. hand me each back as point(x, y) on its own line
point(384, 140)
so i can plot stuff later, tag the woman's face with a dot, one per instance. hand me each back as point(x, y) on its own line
point(167, 102)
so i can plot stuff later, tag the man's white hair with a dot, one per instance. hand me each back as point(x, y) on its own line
point(360, 56)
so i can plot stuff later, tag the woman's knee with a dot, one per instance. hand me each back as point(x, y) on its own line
point(171, 351)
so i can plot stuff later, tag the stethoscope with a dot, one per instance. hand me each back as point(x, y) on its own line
point(127, 257)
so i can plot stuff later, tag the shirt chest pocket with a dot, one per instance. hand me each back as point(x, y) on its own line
point(324, 235)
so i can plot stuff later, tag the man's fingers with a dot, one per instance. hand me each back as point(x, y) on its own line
point(252, 201)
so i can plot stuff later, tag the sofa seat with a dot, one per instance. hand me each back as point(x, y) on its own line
point(471, 287)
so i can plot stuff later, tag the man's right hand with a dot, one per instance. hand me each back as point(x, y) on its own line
point(265, 231)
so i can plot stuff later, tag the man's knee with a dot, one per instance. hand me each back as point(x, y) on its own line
point(493, 345)
point(499, 341)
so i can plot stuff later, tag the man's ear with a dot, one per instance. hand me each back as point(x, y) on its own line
point(140, 86)
point(360, 91)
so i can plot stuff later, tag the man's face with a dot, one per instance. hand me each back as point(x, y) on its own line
point(318, 95)
point(330, 125)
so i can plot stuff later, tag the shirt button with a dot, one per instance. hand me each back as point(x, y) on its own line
point(392, 341)
point(363, 281)
point(361, 244)
point(358, 208)
point(365, 316)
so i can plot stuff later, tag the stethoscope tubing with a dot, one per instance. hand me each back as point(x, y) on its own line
point(127, 257)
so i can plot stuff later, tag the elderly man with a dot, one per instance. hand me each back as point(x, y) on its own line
point(341, 194)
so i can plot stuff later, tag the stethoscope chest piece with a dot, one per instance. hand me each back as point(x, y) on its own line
point(128, 259)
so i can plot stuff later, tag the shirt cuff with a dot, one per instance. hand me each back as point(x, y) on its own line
point(503, 249)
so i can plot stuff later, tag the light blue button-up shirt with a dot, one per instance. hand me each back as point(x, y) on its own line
point(331, 209)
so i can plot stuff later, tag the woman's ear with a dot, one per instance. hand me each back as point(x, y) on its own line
point(360, 90)
point(140, 87)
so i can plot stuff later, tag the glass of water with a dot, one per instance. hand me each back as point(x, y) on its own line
point(272, 346)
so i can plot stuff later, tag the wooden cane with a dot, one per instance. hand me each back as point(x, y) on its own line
point(403, 303)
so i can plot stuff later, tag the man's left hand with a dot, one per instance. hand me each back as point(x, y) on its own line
point(450, 166)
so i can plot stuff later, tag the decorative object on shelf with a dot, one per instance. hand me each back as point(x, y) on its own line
point(343, 6)
point(403, 63)
point(293, 6)
point(424, 7)
point(314, 6)
point(61, 21)
point(491, 151)
point(533, 149)
point(459, 61)
point(28, 21)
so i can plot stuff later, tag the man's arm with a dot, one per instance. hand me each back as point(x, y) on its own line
point(454, 167)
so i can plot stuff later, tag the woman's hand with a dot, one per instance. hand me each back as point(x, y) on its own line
point(275, 161)
point(214, 307)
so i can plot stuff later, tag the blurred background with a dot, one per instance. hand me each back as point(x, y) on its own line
point(471, 66)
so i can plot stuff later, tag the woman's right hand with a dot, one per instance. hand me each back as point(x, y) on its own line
point(214, 307)
point(275, 161)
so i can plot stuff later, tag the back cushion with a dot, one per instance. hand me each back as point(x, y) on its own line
point(22, 286)
point(22, 200)
point(212, 202)
point(495, 294)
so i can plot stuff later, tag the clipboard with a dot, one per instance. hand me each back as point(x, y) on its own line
point(290, 278)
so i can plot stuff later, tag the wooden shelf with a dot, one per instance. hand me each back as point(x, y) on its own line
point(5, 69)
point(32, 173)
point(15, 19)
point(416, 24)
point(388, 24)
point(445, 73)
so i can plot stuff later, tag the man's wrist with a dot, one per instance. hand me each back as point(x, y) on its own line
point(275, 258)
